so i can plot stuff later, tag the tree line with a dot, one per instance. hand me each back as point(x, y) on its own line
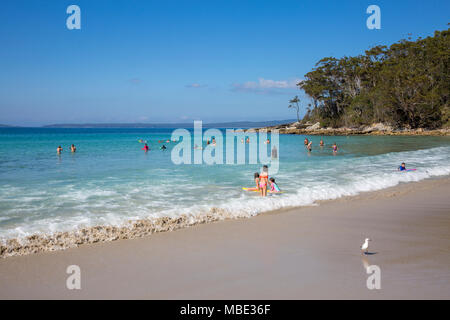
point(405, 85)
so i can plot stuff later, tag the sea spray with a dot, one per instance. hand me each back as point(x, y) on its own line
point(131, 230)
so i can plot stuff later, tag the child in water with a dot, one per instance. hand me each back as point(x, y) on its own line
point(257, 180)
point(256, 176)
point(402, 167)
point(273, 186)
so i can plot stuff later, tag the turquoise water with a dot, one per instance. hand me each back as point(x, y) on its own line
point(110, 180)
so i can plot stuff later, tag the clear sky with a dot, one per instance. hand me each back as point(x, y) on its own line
point(175, 61)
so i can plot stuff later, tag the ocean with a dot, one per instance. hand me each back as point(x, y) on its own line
point(111, 181)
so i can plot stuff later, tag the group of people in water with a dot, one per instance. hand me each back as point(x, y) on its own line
point(308, 145)
point(59, 150)
point(264, 184)
point(146, 148)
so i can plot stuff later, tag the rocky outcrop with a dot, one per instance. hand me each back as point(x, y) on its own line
point(374, 129)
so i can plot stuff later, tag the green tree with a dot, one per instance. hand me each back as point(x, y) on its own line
point(406, 85)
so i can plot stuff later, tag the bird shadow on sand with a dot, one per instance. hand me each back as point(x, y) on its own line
point(370, 253)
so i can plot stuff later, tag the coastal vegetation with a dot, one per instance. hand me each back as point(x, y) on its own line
point(406, 85)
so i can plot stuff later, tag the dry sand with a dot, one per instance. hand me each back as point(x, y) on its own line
point(301, 253)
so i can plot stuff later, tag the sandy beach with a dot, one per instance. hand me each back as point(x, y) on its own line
point(299, 253)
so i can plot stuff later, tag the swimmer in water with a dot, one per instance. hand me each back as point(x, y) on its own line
point(163, 147)
point(73, 149)
point(402, 167)
point(59, 150)
point(309, 146)
point(306, 142)
point(146, 148)
point(335, 148)
point(322, 143)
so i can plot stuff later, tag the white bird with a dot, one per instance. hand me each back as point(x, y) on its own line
point(365, 245)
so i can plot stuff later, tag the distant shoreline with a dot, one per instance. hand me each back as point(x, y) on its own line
point(230, 124)
point(377, 129)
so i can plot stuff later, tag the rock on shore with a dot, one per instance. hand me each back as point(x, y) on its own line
point(374, 129)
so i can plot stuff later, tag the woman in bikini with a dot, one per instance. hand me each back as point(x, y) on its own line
point(264, 180)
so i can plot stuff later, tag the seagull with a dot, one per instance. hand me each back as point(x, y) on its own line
point(365, 245)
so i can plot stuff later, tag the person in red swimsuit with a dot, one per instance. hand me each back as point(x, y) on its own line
point(264, 180)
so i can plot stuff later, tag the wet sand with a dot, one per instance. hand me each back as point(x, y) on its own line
point(299, 253)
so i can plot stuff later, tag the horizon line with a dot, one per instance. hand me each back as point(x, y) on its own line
point(142, 124)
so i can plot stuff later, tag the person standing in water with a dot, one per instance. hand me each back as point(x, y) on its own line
point(145, 148)
point(59, 150)
point(274, 152)
point(306, 142)
point(335, 148)
point(264, 180)
point(322, 143)
point(73, 149)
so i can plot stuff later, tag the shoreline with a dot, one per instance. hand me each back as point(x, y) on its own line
point(297, 253)
point(377, 129)
point(142, 228)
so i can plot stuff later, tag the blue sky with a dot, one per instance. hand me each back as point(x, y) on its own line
point(175, 61)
